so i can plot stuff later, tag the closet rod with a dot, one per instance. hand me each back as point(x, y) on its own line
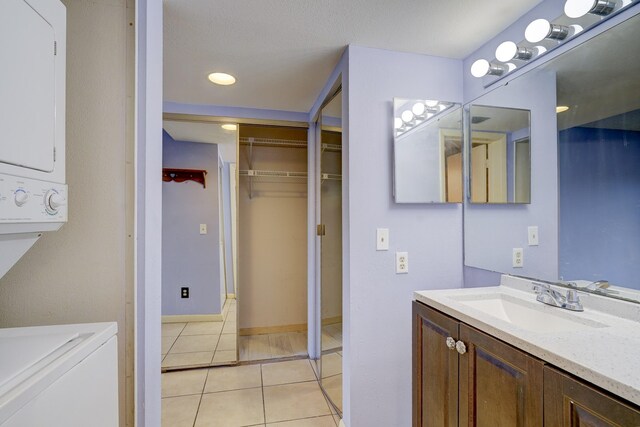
point(272, 142)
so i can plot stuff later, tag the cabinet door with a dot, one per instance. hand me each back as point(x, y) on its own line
point(568, 402)
point(435, 369)
point(499, 385)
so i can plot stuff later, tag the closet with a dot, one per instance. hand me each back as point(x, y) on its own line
point(272, 242)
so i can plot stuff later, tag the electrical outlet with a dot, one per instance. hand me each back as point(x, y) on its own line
point(518, 258)
point(402, 262)
point(184, 292)
point(382, 239)
point(533, 235)
point(203, 228)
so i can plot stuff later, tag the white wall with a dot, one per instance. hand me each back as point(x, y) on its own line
point(84, 272)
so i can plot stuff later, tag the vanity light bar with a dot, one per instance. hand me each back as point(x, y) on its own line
point(540, 30)
point(418, 114)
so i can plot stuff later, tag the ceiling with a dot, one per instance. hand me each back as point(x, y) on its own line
point(283, 51)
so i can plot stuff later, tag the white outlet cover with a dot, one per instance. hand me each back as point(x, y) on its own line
point(533, 235)
point(382, 239)
point(518, 258)
point(203, 228)
point(402, 262)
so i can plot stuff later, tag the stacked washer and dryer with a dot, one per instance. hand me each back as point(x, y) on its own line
point(62, 375)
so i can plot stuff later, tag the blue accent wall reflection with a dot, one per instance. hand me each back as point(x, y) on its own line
point(600, 205)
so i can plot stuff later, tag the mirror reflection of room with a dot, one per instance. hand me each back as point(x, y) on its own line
point(427, 151)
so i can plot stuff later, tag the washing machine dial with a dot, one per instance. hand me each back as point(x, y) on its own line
point(20, 197)
point(52, 201)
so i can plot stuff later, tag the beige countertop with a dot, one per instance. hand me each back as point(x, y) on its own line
point(607, 355)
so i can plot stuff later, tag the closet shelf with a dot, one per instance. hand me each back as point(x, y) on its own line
point(331, 147)
point(272, 174)
point(271, 142)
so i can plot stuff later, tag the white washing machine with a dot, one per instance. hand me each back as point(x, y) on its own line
point(59, 376)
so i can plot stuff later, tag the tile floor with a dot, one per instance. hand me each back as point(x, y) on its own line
point(198, 344)
point(278, 394)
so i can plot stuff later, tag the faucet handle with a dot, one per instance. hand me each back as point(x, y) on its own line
point(572, 296)
point(572, 301)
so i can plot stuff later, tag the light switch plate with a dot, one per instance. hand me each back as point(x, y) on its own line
point(533, 235)
point(402, 262)
point(203, 228)
point(518, 258)
point(382, 239)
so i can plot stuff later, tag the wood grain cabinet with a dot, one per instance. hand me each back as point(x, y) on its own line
point(464, 377)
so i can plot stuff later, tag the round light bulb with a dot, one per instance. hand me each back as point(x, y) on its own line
point(430, 103)
point(229, 126)
point(537, 31)
point(397, 123)
point(407, 116)
point(540, 49)
point(578, 8)
point(418, 108)
point(506, 51)
point(511, 66)
point(561, 108)
point(223, 79)
point(480, 68)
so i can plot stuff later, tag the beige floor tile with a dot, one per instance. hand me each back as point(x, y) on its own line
point(187, 359)
point(227, 342)
point(294, 401)
point(336, 418)
point(256, 347)
point(329, 342)
point(293, 371)
point(333, 387)
point(331, 364)
point(202, 328)
point(224, 356)
point(298, 342)
point(193, 343)
point(229, 328)
point(280, 345)
point(183, 382)
point(315, 364)
point(326, 421)
point(172, 329)
point(179, 411)
point(233, 378)
point(231, 409)
point(167, 342)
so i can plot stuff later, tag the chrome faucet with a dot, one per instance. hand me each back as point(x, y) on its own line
point(547, 295)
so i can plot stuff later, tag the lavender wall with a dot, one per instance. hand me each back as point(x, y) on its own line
point(189, 258)
point(600, 205)
point(377, 301)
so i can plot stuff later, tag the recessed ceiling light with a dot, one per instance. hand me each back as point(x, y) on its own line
point(223, 79)
point(229, 126)
point(561, 108)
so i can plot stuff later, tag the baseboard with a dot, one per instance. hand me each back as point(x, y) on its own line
point(231, 296)
point(184, 318)
point(331, 320)
point(302, 327)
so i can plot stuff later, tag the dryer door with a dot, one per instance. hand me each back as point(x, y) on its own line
point(27, 87)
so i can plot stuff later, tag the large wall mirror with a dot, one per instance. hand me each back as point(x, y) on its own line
point(500, 155)
point(592, 212)
point(427, 151)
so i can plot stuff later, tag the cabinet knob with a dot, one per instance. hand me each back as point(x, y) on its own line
point(451, 343)
point(462, 349)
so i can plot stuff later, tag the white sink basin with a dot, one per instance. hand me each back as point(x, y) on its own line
point(530, 315)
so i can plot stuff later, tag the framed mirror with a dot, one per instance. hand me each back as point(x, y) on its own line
point(585, 179)
point(500, 155)
point(427, 147)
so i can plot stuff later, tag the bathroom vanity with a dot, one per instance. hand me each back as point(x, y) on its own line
point(495, 356)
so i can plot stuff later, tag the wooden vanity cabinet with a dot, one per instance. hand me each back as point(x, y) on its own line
point(573, 403)
point(482, 381)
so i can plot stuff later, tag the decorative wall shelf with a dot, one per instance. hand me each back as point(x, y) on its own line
point(182, 175)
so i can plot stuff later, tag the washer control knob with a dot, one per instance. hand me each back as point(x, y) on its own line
point(53, 200)
point(21, 197)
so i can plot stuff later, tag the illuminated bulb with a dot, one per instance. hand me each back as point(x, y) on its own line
point(575, 29)
point(229, 126)
point(430, 103)
point(511, 66)
point(223, 79)
point(407, 116)
point(482, 67)
point(509, 50)
point(397, 123)
point(442, 107)
point(418, 109)
point(579, 8)
point(561, 108)
point(540, 49)
point(541, 29)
